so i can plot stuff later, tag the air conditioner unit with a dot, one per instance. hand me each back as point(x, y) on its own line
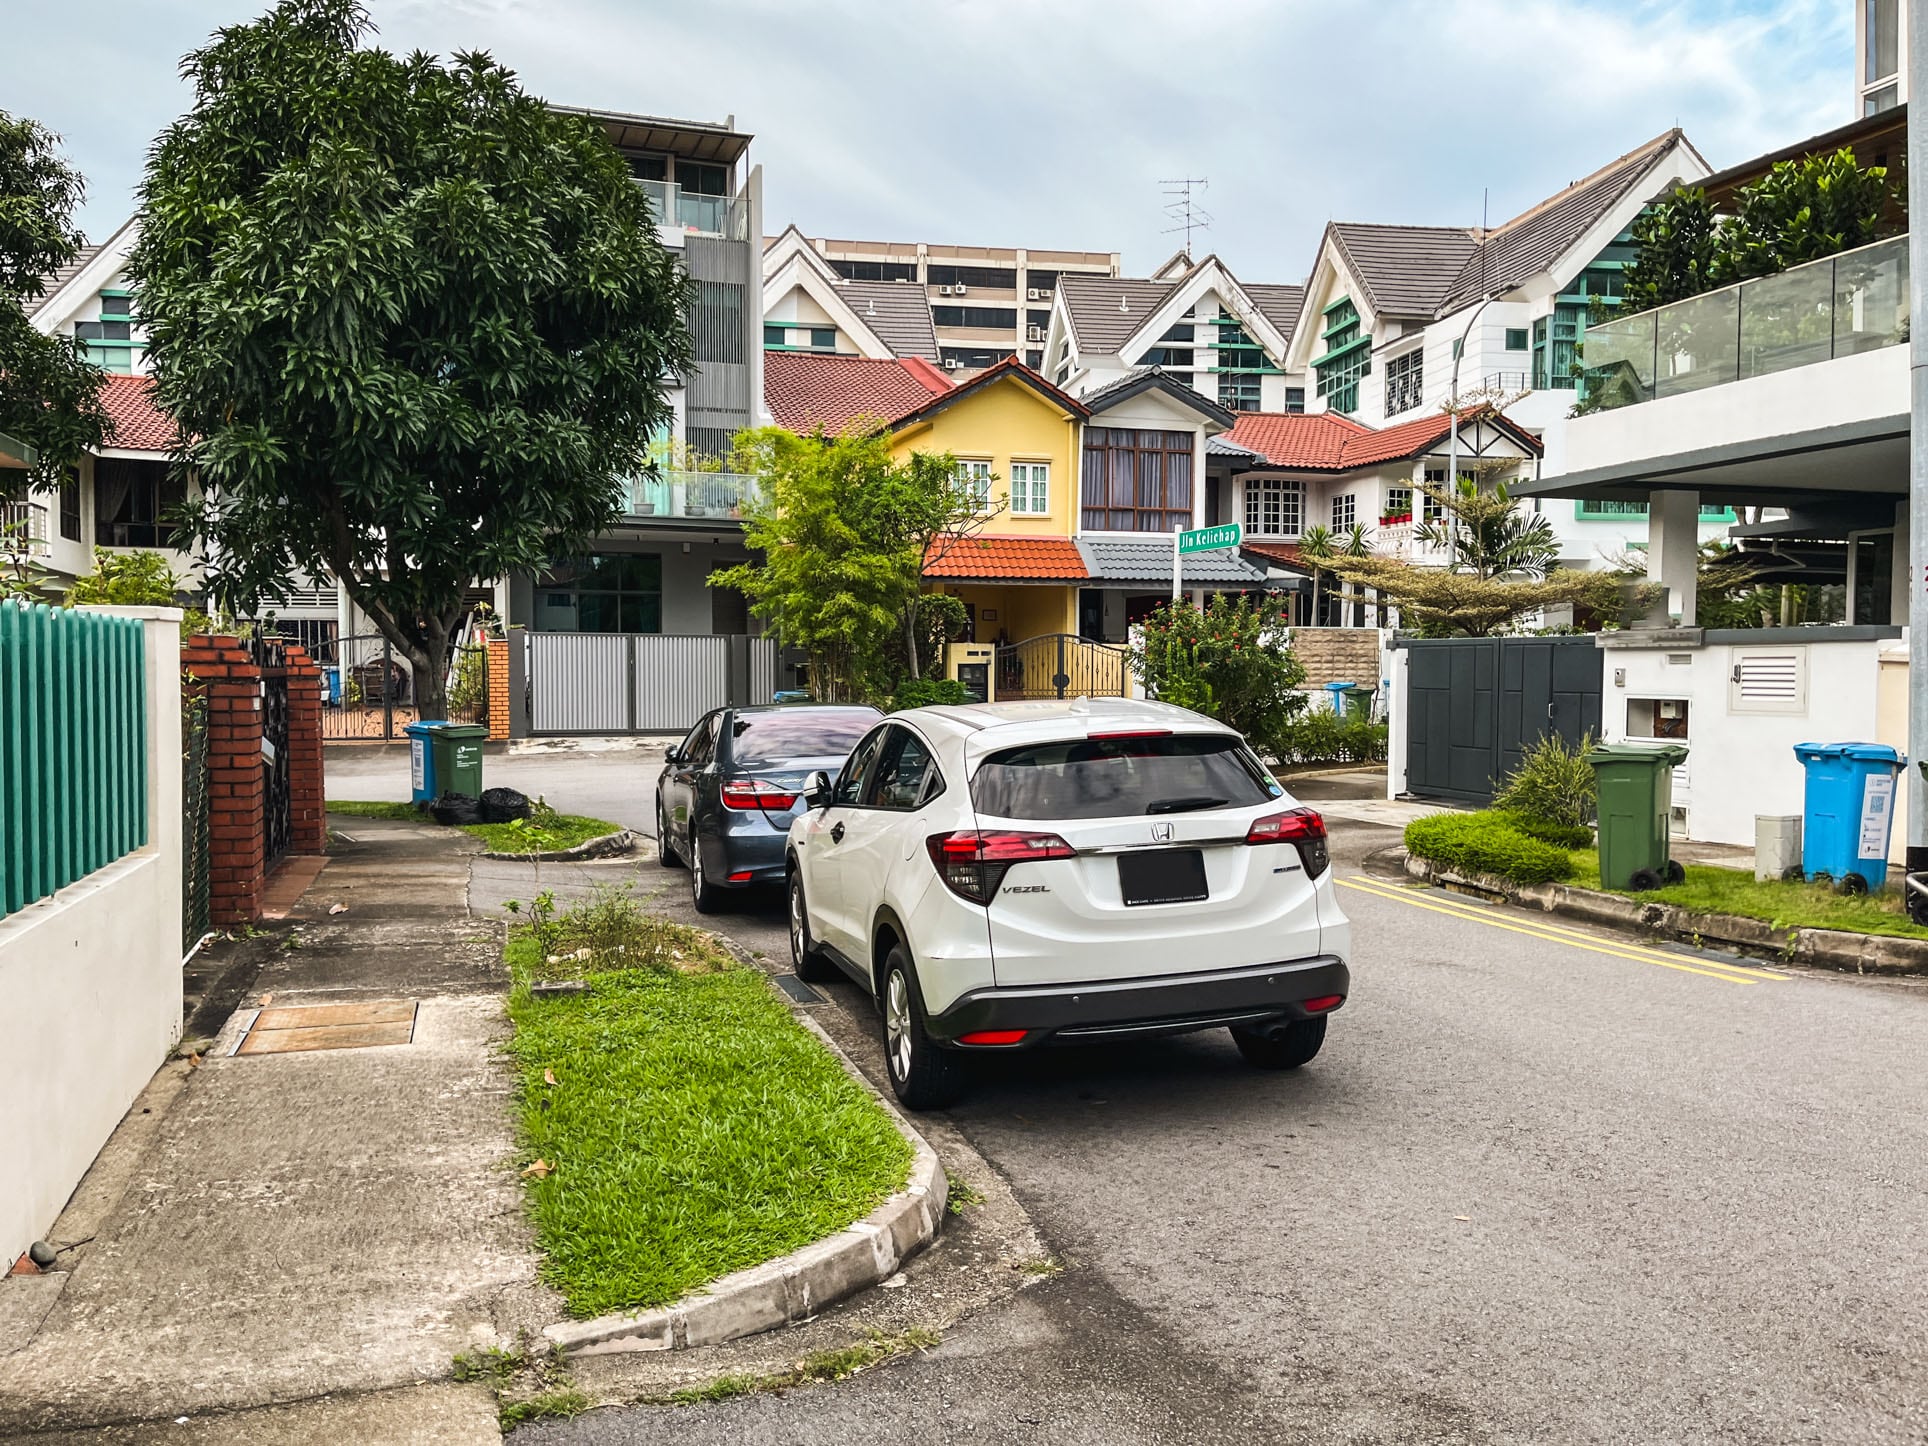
point(1034, 333)
point(944, 291)
point(1033, 294)
point(960, 290)
point(952, 364)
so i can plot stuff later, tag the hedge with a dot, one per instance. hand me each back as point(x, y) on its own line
point(1546, 830)
point(1487, 843)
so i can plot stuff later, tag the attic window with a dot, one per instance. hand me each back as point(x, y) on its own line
point(1348, 356)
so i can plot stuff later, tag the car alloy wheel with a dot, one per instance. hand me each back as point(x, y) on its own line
point(798, 950)
point(897, 1025)
point(665, 855)
point(704, 896)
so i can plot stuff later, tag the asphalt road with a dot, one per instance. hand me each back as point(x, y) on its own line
point(1541, 1186)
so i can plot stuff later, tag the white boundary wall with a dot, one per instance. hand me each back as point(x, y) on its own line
point(92, 982)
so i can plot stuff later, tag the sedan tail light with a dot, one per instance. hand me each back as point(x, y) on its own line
point(972, 862)
point(749, 793)
point(1299, 826)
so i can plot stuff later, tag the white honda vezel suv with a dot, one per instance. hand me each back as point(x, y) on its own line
point(1008, 875)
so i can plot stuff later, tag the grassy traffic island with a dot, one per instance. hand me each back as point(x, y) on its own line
point(1524, 851)
point(544, 831)
point(677, 1123)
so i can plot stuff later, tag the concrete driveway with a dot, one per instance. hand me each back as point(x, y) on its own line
point(598, 778)
point(1539, 1187)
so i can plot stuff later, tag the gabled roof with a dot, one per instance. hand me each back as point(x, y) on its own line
point(136, 422)
point(1328, 442)
point(1147, 379)
point(1007, 369)
point(1006, 559)
point(1278, 305)
point(63, 292)
point(1406, 271)
point(899, 313)
point(1533, 240)
point(807, 391)
point(1104, 311)
point(1127, 560)
point(64, 274)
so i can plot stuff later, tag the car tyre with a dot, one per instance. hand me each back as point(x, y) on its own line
point(923, 1076)
point(807, 960)
point(1852, 885)
point(705, 897)
point(1289, 1048)
point(665, 855)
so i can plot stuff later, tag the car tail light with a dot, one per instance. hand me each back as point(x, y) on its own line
point(1324, 1004)
point(972, 861)
point(1132, 733)
point(1300, 826)
point(993, 1036)
point(749, 793)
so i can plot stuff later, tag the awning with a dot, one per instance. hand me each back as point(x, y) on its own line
point(1124, 562)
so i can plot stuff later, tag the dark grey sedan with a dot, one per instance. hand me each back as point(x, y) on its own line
point(728, 791)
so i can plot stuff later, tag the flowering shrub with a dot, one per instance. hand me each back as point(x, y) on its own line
point(1228, 660)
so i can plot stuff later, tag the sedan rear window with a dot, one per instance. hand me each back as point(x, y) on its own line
point(1121, 778)
point(765, 740)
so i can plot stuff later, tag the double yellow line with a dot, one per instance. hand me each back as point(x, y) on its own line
point(1438, 901)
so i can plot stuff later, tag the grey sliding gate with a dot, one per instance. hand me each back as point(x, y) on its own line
point(642, 682)
point(1473, 705)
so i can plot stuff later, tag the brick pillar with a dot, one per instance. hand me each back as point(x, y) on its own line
point(308, 832)
point(220, 670)
point(498, 689)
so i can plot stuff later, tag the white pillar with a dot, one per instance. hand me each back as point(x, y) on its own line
point(1673, 549)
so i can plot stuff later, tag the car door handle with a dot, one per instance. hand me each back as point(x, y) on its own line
point(836, 833)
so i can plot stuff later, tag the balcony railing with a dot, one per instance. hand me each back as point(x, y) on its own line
point(706, 215)
point(1839, 306)
point(25, 522)
point(691, 494)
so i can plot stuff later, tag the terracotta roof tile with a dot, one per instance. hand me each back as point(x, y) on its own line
point(1005, 369)
point(1328, 442)
point(808, 390)
point(137, 422)
point(1007, 559)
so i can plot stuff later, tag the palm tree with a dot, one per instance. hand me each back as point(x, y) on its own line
point(1316, 546)
point(1355, 541)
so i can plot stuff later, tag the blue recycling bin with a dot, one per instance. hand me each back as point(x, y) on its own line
point(421, 760)
point(1849, 813)
point(1338, 692)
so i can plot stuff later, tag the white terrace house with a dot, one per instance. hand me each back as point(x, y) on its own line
point(1194, 321)
point(808, 306)
point(1785, 399)
point(1397, 320)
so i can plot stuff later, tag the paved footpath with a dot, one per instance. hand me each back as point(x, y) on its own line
point(1541, 1186)
point(304, 1227)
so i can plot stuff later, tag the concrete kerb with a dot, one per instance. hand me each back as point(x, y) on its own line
point(603, 846)
point(794, 1287)
point(1820, 948)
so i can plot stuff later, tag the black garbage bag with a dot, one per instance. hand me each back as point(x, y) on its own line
point(456, 808)
point(503, 805)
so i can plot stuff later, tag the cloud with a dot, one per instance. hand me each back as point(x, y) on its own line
point(999, 122)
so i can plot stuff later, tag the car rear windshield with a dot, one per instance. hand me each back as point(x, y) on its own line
point(770, 740)
point(1121, 778)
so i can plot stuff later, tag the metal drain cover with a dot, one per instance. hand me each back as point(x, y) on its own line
point(798, 990)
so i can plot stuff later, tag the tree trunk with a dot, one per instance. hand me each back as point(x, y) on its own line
point(910, 638)
point(1315, 597)
point(431, 664)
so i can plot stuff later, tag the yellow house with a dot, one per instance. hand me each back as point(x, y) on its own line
point(1016, 440)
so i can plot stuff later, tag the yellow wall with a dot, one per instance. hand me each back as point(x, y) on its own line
point(1007, 422)
point(1024, 610)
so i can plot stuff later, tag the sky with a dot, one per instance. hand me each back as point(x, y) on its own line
point(1055, 123)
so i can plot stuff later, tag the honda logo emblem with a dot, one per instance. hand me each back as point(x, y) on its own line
point(1161, 833)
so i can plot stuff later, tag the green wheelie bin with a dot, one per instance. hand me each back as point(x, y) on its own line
point(1636, 782)
point(457, 749)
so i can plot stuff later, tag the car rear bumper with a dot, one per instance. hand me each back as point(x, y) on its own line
point(759, 854)
point(1257, 996)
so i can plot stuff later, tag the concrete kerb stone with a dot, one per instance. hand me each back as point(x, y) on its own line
point(1821, 948)
point(793, 1287)
point(603, 846)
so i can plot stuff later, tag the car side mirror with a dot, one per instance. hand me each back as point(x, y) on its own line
point(672, 754)
point(816, 790)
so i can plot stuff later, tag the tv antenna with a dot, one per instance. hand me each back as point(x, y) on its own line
point(1182, 206)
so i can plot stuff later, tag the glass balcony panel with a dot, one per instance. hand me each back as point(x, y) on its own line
point(703, 213)
point(1699, 343)
point(662, 199)
point(1619, 362)
point(1786, 320)
point(1871, 297)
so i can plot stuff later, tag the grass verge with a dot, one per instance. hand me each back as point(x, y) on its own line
point(678, 1123)
point(528, 1385)
point(544, 831)
point(1780, 903)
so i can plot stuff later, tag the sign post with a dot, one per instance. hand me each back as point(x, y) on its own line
point(1201, 539)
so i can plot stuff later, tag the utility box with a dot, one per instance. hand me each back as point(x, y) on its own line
point(1636, 783)
point(972, 664)
point(1777, 846)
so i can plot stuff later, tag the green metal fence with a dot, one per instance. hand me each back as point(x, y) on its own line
point(73, 747)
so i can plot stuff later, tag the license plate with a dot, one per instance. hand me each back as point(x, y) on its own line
point(1162, 876)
